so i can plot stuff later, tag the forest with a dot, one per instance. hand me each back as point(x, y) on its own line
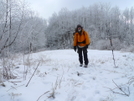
point(23, 31)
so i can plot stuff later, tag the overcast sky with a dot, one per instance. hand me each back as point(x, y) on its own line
point(46, 8)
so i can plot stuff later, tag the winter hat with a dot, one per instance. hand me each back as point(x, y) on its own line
point(79, 26)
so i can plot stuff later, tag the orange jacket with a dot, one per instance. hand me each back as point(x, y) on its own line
point(81, 40)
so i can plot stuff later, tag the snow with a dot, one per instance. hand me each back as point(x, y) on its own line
point(59, 77)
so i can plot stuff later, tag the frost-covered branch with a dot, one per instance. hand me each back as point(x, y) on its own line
point(42, 95)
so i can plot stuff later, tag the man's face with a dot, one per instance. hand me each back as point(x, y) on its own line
point(79, 29)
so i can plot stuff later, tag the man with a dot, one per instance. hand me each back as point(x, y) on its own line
point(81, 42)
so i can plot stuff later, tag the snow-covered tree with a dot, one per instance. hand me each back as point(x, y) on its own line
point(100, 20)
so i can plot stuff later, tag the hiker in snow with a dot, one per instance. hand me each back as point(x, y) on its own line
point(81, 42)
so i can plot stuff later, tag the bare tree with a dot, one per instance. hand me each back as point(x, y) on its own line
point(10, 27)
point(95, 19)
point(11, 23)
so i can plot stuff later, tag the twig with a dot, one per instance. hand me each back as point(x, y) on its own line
point(12, 88)
point(131, 81)
point(61, 80)
point(123, 93)
point(52, 95)
point(114, 91)
point(112, 51)
point(42, 95)
point(33, 74)
point(112, 71)
point(117, 92)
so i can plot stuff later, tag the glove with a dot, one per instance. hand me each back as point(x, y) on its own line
point(75, 48)
point(86, 46)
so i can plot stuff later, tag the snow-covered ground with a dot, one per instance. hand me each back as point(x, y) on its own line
point(59, 77)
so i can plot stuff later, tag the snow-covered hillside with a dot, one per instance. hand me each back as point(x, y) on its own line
point(59, 77)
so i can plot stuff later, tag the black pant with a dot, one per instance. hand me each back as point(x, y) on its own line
point(83, 52)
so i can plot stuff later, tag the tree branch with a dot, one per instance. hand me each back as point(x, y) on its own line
point(123, 92)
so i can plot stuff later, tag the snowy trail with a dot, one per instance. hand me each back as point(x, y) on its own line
point(59, 70)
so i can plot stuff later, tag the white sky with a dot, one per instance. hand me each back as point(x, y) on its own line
point(46, 8)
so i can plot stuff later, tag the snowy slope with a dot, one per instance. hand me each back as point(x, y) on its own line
point(59, 77)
